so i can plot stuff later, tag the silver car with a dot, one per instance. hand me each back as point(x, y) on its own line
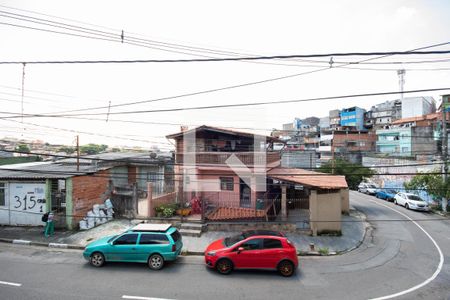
point(411, 201)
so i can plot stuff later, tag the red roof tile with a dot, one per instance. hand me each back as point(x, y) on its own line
point(308, 178)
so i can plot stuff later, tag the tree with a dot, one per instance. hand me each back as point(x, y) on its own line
point(354, 173)
point(23, 148)
point(93, 148)
point(67, 149)
point(433, 184)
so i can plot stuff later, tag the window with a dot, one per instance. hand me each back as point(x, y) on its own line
point(271, 244)
point(152, 239)
point(226, 183)
point(175, 236)
point(2, 194)
point(254, 244)
point(127, 239)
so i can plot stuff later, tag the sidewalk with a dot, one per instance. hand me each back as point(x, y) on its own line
point(353, 229)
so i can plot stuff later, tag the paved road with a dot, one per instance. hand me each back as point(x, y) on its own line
point(395, 257)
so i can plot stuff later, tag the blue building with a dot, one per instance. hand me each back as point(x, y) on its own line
point(353, 117)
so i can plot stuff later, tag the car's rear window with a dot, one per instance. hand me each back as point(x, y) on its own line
point(271, 244)
point(153, 238)
point(175, 236)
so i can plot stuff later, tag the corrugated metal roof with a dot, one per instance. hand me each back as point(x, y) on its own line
point(43, 170)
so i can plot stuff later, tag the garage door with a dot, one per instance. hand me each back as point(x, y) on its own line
point(26, 203)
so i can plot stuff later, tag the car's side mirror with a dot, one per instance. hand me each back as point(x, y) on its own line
point(240, 249)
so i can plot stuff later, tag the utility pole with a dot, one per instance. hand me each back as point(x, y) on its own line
point(78, 153)
point(445, 107)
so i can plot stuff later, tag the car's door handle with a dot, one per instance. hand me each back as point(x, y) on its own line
point(133, 248)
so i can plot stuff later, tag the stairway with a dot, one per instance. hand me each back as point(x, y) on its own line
point(191, 229)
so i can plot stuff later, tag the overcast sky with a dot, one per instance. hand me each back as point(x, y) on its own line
point(217, 29)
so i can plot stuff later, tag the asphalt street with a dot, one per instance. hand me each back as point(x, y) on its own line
point(397, 259)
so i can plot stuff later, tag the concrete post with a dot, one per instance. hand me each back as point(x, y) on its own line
point(151, 211)
point(283, 203)
point(313, 212)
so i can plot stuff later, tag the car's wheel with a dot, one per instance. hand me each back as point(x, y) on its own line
point(97, 259)
point(224, 266)
point(395, 202)
point(286, 268)
point(156, 262)
point(406, 206)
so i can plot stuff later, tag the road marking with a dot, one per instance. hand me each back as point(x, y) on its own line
point(143, 298)
point(435, 274)
point(10, 283)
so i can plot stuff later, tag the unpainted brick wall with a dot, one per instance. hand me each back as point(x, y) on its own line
point(89, 190)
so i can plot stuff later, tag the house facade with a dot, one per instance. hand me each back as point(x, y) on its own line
point(409, 137)
point(352, 117)
point(237, 176)
point(70, 189)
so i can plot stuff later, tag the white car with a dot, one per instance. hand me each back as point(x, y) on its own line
point(367, 188)
point(411, 201)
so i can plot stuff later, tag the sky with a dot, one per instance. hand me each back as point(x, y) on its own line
point(170, 30)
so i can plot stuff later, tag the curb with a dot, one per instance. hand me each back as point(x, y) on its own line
point(41, 244)
point(368, 229)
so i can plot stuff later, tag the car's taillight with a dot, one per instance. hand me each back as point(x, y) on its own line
point(174, 248)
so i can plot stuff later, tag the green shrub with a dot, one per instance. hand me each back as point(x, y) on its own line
point(324, 251)
point(166, 210)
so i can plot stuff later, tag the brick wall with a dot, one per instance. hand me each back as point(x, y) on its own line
point(87, 191)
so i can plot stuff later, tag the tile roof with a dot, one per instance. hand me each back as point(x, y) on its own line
point(418, 118)
point(308, 178)
point(235, 213)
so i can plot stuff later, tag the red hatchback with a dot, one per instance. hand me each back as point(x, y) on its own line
point(255, 249)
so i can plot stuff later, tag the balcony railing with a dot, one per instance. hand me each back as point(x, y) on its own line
point(220, 158)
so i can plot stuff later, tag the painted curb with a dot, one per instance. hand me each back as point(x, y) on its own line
point(57, 245)
point(21, 242)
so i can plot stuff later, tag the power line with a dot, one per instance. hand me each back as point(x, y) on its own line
point(250, 58)
point(233, 105)
point(174, 163)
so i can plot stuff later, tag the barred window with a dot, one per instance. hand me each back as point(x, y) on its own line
point(226, 183)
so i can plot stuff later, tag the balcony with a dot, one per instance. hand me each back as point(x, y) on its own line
point(220, 158)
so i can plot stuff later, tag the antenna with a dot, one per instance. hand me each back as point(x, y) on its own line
point(401, 81)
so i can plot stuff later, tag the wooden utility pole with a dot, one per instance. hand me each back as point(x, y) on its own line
point(78, 153)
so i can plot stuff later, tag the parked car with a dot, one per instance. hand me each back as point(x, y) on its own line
point(153, 244)
point(411, 201)
point(367, 188)
point(386, 194)
point(256, 249)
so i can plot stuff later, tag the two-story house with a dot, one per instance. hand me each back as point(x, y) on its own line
point(238, 176)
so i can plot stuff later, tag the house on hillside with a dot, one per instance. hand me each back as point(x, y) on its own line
point(409, 136)
point(237, 176)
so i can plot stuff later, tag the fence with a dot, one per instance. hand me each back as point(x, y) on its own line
point(218, 206)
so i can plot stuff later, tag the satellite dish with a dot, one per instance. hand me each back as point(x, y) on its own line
point(153, 155)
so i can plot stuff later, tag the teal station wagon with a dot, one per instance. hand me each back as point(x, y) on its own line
point(145, 243)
